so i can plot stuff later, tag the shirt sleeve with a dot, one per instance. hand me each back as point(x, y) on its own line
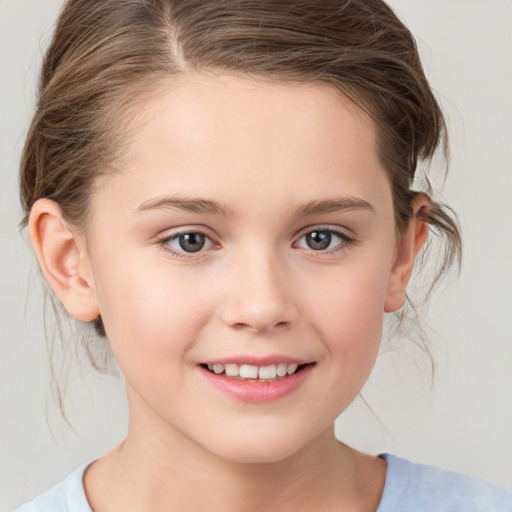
point(424, 488)
point(67, 496)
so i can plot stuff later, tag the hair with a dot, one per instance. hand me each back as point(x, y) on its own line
point(106, 54)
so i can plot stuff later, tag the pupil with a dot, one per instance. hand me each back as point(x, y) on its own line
point(318, 240)
point(192, 242)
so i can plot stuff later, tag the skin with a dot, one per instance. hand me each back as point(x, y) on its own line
point(262, 152)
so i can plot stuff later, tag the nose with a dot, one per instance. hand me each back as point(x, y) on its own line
point(258, 295)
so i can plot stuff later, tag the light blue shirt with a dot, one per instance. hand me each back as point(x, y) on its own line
point(409, 488)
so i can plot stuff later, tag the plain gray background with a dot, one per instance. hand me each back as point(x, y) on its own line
point(463, 423)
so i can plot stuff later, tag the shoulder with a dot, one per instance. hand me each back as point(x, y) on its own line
point(67, 496)
point(423, 488)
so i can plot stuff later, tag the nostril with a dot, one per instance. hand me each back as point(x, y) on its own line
point(258, 314)
point(240, 326)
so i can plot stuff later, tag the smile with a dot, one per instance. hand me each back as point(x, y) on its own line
point(268, 373)
point(256, 384)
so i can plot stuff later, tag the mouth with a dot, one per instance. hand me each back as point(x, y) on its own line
point(257, 384)
point(253, 373)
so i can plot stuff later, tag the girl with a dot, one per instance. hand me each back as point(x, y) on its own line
point(224, 191)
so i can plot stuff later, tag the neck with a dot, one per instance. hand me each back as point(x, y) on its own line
point(163, 472)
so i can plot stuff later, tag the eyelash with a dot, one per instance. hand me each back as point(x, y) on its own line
point(345, 241)
point(165, 243)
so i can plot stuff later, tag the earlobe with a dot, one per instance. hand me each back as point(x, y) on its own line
point(411, 241)
point(60, 255)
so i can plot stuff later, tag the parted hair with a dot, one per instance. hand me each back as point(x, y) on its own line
point(105, 55)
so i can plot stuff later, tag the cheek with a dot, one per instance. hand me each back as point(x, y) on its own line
point(148, 312)
point(351, 299)
point(348, 312)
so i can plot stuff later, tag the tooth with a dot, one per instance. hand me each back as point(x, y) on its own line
point(218, 368)
point(248, 371)
point(210, 367)
point(267, 372)
point(281, 369)
point(232, 370)
point(292, 368)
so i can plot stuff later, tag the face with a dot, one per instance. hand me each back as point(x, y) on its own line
point(241, 261)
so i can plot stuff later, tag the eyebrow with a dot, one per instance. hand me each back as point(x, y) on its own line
point(194, 205)
point(206, 206)
point(334, 205)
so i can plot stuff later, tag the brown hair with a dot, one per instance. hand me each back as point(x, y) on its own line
point(105, 54)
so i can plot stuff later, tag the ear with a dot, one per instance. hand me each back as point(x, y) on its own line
point(410, 242)
point(63, 260)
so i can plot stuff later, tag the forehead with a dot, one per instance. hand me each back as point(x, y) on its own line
point(233, 136)
point(196, 107)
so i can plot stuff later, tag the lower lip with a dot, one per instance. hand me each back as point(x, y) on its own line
point(257, 392)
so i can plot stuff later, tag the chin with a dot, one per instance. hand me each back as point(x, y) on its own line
point(258, 448)
point(256, 455)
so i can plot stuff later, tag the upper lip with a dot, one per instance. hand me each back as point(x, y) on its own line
point(257, 360)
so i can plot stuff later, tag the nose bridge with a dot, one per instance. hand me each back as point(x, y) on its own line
point(258, 294)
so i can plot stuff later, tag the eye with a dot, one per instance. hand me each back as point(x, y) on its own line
point(323, 239)
point(189, 242)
